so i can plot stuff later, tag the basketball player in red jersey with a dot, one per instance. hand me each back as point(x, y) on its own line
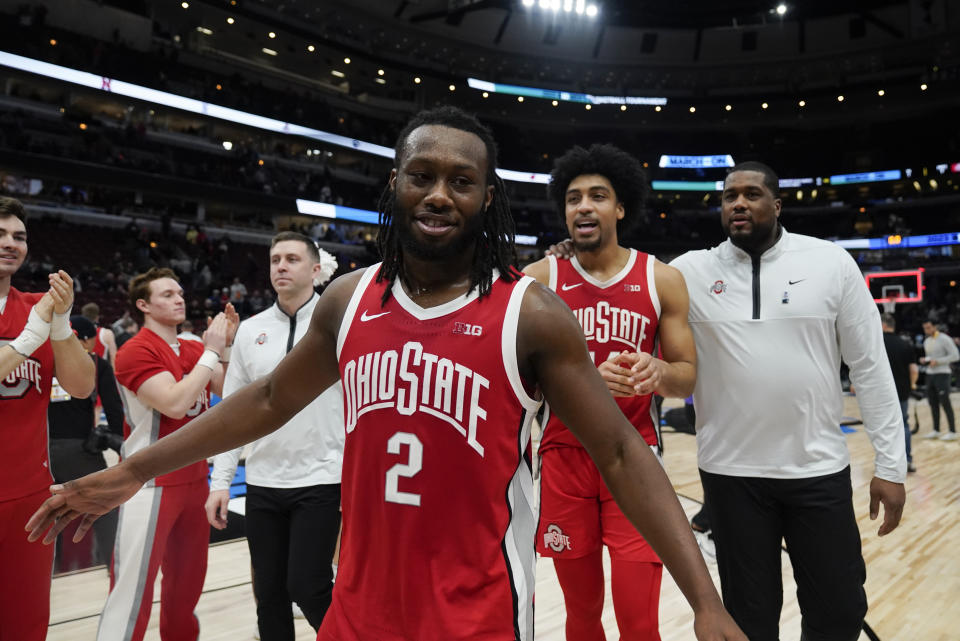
point(443, 350)
point(628, 304)
point(28, 363)
point(165, 383)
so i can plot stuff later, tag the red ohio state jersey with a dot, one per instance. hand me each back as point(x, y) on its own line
point(438, 519)
point(622, 313)
point(142, 357)
point(24, 397)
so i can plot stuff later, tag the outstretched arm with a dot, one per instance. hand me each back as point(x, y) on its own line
point(254, 411)
point(552, 351)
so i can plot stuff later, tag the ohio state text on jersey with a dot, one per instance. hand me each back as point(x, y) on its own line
point(437, 487)
point(622, 313)
point(24, 397)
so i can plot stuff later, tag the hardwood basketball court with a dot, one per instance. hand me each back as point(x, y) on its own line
point(913, 574)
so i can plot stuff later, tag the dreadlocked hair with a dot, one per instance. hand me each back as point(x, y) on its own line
point(495, 248)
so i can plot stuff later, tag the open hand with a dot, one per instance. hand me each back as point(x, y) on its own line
point(563, 249)
point(61, 290)
point(87, 497)
point(233, 321)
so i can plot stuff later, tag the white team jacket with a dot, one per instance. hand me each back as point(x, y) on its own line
point(770, 333)
point(308, 450)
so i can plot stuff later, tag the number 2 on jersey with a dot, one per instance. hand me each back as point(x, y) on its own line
point(406, 470)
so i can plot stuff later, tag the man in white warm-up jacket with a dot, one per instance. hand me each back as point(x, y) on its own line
point(772, 315)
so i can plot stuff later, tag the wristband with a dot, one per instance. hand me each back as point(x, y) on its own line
point(209, 359)
point(226, 354)
point(60, 329)
point(33, 335)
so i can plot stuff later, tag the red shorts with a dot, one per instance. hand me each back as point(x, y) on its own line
point(25, 570)
point(578, 513)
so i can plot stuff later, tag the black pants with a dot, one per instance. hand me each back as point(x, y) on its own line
point(292, 533)
point(750, 516)
point(938, 394)
point(69, 461)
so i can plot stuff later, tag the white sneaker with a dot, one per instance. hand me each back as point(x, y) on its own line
point(707, 546)
point(931, 435)
point(949, 436)
point(297, 612)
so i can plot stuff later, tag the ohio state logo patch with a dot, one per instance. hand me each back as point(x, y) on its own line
point(555, 539)
point(262, 338)
point(719, 287)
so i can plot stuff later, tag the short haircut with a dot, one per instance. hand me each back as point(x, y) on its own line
point(931, 321)
point(140, 287)
point(624, 172)
point(186, 326)
point(770, 179)
point(91, 311)
point(889, 320)
point(294, 235)
point(127, 323)
point(12, 207)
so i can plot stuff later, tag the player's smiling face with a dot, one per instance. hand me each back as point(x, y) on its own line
point(592, 211)
point(13, 245)
point(440, 191)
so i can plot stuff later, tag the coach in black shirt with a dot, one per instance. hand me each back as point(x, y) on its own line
point(902, 361)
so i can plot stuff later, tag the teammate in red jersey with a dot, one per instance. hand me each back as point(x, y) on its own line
point(28, 363)
point(629, 304)
point(165, 383)
point(442, 349)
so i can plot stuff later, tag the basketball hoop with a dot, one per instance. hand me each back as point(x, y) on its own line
point(889, 307)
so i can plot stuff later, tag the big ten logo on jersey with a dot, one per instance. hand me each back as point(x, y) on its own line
point(22, 379)
point(632, 288)
point(202, 404)
point(467, 329)
point(416, 381)
point(605, 323)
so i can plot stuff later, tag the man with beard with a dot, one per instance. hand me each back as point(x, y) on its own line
point(443, 350)
point(628, 304)
point(772, 315)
